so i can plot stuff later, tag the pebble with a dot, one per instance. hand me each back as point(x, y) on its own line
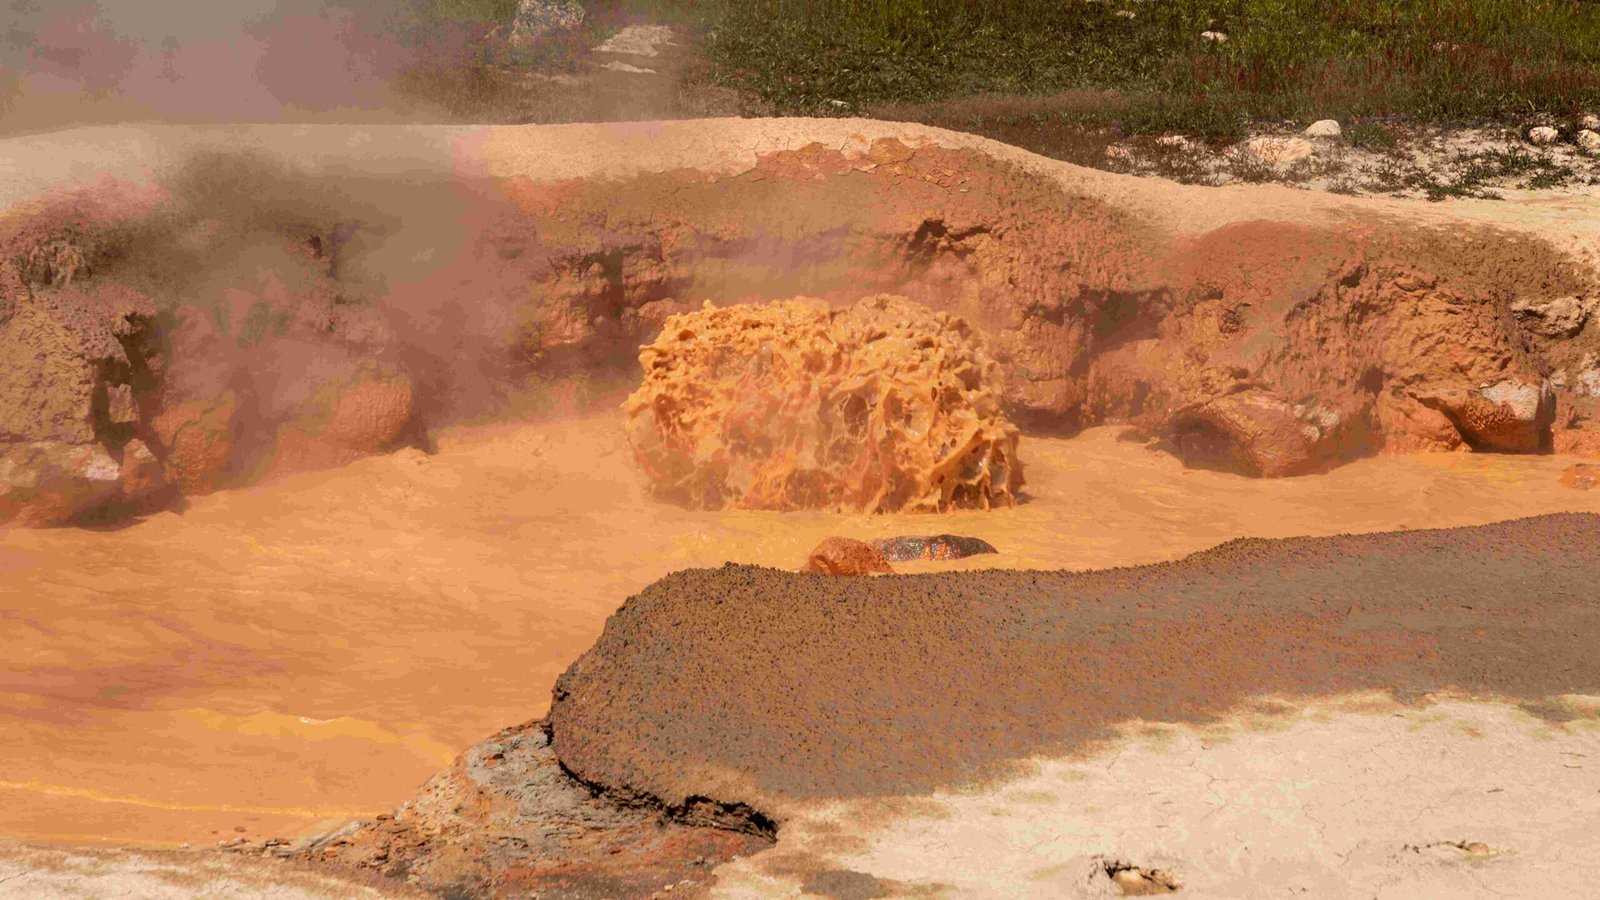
point(1543, 135)
point(1325, 128)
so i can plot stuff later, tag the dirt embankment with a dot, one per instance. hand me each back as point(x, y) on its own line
point(937, 680)
point(697, 725)
point(290, 315)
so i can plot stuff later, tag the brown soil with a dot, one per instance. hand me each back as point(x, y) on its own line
point(939, 680)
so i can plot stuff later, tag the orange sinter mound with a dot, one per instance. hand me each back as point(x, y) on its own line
point(878, 407)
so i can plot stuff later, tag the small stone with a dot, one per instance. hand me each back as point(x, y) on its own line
point(1215, 37)
point(1589, 123)
point(1588, 141)
point(1324, 128)
point(1477, 848)
point(1126, 14)
point(1543, 135)
point(1172, 142)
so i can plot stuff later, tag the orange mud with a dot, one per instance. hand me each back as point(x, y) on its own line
point(312, 649)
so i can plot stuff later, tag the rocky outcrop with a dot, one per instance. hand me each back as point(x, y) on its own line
point(878, 407)
point(74, 386)
point(507, 821)
point(295, 319)
point(844, 556)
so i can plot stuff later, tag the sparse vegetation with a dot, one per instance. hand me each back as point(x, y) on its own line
point(1435, 60)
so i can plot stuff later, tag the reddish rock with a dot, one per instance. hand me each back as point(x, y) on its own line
point(1255, 433)
point(199, 437)
point(845, 556)
point(1582, 476)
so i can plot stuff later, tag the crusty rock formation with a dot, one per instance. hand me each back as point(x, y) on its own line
point(878, 407)
point(845, 556)
point(73, 384)
point(295, 318)
point(506, 821)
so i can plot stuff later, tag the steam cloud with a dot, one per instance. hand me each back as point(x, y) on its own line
point(68, 62)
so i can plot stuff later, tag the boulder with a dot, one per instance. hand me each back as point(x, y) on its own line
point(844, 556)
point(877, 407)
point(1559, 317)
point(1509, 416)
point(1278, 150)
point(1254, 432)
point(537, 19)
point(1324, 128)
point(1588, 140)
point(1543, 135)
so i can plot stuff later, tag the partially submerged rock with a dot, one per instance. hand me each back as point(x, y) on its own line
point(845, 556)
point(879, 407)
point(1583, 476)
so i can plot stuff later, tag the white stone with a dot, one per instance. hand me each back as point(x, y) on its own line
point(1324, 128)
point(1278, 150)
point(1588, 141)
point(1543, 135)
point(1215, 37)
point(1589, 123)
point(638, 40)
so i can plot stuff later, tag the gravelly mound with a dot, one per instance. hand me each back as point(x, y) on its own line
point(757, 686)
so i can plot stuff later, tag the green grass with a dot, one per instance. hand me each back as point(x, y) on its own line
point(1299, 60)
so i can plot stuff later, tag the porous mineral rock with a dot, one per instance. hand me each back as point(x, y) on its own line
point(877, 407)
point(844, 556)
point(536, 18)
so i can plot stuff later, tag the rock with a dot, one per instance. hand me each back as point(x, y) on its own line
point(1214, 37)
point(53, 483)
point(200, 438)
point(638, 40)
point(1174, 142)
point(1588, 140)
point(1543, 135)
point(1583, 476)
point(877, 407)
point(570, 840)
point(1509, 416)
point(536, 19)
point(1589, 123)
point(1278, 150)
point(1256, 433)
point(938, 546)
point(1325, 128)
point(1558, 318)
point(844, 556)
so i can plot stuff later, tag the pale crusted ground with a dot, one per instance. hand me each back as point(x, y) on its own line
point(35, 873)
point(1344, 797)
